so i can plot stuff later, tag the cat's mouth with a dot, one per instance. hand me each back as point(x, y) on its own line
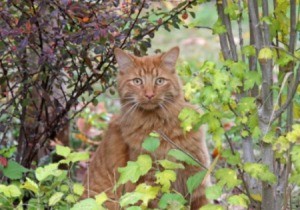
point(149, 106)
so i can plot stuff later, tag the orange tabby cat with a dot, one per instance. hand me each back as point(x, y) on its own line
point(151, 97)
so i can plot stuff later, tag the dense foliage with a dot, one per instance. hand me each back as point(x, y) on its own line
point(55, 54)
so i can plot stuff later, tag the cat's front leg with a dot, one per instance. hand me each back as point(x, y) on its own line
point(198, 197)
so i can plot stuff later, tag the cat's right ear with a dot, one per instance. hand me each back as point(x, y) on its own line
point(124, 60)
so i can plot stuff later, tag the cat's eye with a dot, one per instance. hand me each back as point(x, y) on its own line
point(137, 81)
point(160, 81)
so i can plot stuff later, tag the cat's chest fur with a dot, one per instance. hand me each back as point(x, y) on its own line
point(137, 128)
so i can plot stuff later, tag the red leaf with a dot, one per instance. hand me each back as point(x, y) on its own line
point(3, 161)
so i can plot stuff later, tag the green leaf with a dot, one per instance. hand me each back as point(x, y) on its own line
point(239, 200)
point(169, 200)
point(249, 50)
point(252, 78)
point(233, 11)
point(295, 154)
point(55, 198)
point(270, 137)
point(260, 172)
point(265, 53)
point(189, 119)
point(10, 191)
point(71, 198)
point(295, 178)
point(87, 204)
point(220, 80)
point(189, 90)
point(179, 155)
point(164, 178)
point(62, 151)
point(42, 173)
point(30, 185)
point(213, 192)
point(75, 157)
point(151, 144)
point(78, 189)
point(13, 170)
point(34, 204)
point(212, 207)
point(219, 28)
point(209, 95)
point(194, 181)
point(227, 177)
point(166, 164)
point(281, 144)
point(101, 198)
point(134, 170)
point(143, 192)
point(134, 208)
point(233, 159)
point(246, 104)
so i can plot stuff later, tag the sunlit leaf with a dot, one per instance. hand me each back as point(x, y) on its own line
point(10, 191)
point(42, 173)
point(30, 185)
point(239, 200)
point(134, 170)
point(55, 198)
point(62, 150)
point(87, 204)
point(101, 198)
point(164, 178)
point(170, 165)
point(227, 177)
point(260, 172)
point(78, 189)
point(212, 207)
point(265, 53)
point(143, 192)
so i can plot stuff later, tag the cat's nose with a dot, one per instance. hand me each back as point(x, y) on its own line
point(149, 95)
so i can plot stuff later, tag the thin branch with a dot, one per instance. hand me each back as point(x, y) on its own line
point(229, 33)
point(133, 24)
point(241, 29)
point(240, 170)
point(290, 97)
point(189, 3)
point(223, 39)
point(166, 138)
point(293, 32)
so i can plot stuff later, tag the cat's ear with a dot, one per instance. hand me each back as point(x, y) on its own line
point(169, 58)
point(124, 60)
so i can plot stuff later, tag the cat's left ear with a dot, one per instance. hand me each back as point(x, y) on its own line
point(169, 58)
point(124, 60)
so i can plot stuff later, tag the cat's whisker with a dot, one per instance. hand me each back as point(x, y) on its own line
point(131, 110)
point(171, 102)
point(130, 102)
point(163, 108)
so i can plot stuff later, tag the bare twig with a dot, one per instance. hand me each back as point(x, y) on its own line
point(290, 96)
point(166, 138)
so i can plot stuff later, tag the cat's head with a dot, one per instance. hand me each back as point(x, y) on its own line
point(148, 82)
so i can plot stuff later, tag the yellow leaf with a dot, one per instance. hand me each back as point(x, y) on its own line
point(101, 198)
point(165, 178)
point(256, 197)
point(31, 185)
point(265, 53)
